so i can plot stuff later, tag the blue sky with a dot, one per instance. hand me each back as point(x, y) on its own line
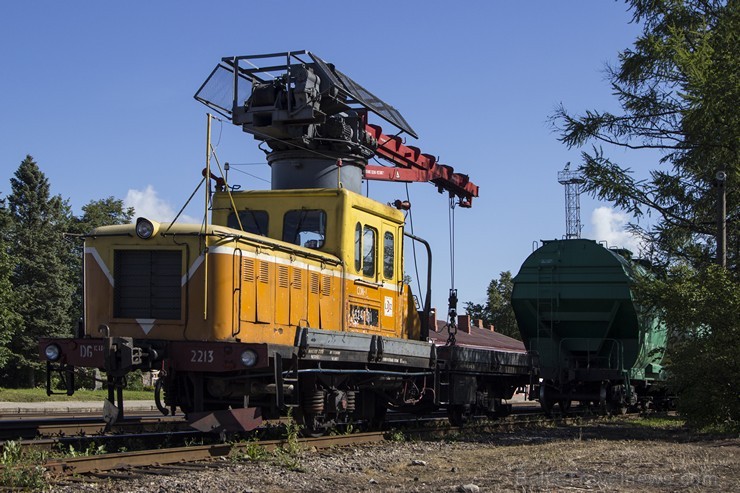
point(101, 95)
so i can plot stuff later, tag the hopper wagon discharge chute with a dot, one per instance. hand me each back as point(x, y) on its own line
point(289, 298)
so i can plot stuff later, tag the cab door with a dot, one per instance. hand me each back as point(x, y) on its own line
point(364, 293)
point(390, 276)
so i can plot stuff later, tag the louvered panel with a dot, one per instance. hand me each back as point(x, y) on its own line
point(266, 292)
point(147, 284)
point(325, 285)
point(283, 276)
point(282, 296)
point(297, 278)
point(248, 299)
point(298, 297)
point(327, 304)
point(313, 299)
point(248, 269)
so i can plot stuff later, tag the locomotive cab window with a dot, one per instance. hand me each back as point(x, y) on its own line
point(389, 246)
point(358, 247)
point(365, 249)
point(253, 221)
point(368, 251)
point(305, 227)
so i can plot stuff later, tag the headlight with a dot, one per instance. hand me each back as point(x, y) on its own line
point(52, 352)
point(144, 228)
point(249, 358)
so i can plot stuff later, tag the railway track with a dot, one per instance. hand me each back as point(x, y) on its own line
point(77, 426)
point(171, 460)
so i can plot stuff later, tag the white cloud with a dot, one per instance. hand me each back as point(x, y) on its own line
point(147, 204)
point(609, 225)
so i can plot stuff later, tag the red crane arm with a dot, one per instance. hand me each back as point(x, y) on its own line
point(413, 165)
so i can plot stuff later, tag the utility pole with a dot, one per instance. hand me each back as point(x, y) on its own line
point(719, 182)
point(572, 180)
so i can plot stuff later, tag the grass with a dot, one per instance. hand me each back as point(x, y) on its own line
point(677, 422)
point(39, 395)
point(660, 422)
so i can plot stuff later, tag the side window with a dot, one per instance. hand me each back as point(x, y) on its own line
point(305, 227)
point(368, 251)
point(388, 255)
point(358, 248)
point(252, 221)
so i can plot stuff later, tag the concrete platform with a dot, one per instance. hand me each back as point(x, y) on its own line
point(18, 409)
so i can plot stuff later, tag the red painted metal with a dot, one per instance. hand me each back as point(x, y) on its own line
point(86, 352)
point(213, 356)
point(415, 166)
point(234, 420)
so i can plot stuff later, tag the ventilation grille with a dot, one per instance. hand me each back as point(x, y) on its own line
point(248, 270)
point(297, 279)
point(326, 285)
point(147, 284)
point(283, 276)
point(314, 283)
point(264, 272)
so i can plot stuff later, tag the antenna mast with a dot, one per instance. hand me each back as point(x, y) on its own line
point(572, 181)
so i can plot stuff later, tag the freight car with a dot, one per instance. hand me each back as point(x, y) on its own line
point(577, 312)
point(289, 299)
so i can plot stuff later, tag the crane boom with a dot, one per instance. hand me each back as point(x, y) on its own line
point(315, 118)
point(414, 166)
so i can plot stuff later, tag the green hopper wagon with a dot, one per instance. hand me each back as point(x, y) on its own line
point(577, 314)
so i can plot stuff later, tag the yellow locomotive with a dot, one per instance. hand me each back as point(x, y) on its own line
point(288, 298)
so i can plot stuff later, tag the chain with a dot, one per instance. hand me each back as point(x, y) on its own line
point(451, 317)
point(452, 299)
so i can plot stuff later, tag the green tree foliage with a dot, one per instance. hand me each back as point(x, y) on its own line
point(497, 310)
point(10, 321)
point(104, 212)
point(41, 276)
point(96, 213)
point(41, 268)
point(705, 366)
point(678, 87)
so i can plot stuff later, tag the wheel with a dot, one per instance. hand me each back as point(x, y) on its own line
point(501, 410)
point(546, 402)
point(616, 409)
point(378, 419)
point(458, 414)
point(371, 409)
point(312, 426)
point(564, 405)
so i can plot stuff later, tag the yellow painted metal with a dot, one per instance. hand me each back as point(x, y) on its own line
point(260, 288)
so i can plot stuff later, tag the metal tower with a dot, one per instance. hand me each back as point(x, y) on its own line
point(572, 181)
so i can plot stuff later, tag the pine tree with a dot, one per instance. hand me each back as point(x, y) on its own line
point(96, 213)
point(42, 277)
point(678, 87)
point(10, 322)
point(497, 310)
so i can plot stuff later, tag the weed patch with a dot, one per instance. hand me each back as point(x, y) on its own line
point(22, 469)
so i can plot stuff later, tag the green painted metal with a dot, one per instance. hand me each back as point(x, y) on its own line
point(575, 307)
